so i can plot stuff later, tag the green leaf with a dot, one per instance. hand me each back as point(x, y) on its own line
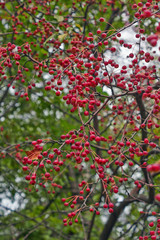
point(59, 18)
point(48, 39)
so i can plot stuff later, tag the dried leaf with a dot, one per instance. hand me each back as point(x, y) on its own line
point(33, 154)
point(62, 37)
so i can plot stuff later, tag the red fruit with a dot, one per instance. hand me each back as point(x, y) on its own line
point(29, 161)
point(137, 15)
point(128, 143)
point(111, 205)
point(91, 210)
point(48, 161)
point(154, 213)
point(152, 233)
point(51, 155)
point(105, 42)
point(86, 113)
point(103, 35)
point(153, 42)
point(41, 165)
point(45, 153)
point(58, 93)
point(151, 224)
point(87, 189)
point(105, 205)
point(35, 163)
point(152, 144)
point(155, 167)
point(157, 197)
point(146, 141)
point(158, 28)
point(86, 144)
point(152, 39)
point(98, 139)
point(111, 210)
point(40, 156)
point(47, 174)
point(153, 237)
point(98, 31)
point(149, 168)
point(28, 177)
point(130, 164)
point(101, 19)
point(34, 142)
point(134, 6)
point(147, 13)
point(25, 168)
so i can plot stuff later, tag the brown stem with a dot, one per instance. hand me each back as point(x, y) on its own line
point(147, 175)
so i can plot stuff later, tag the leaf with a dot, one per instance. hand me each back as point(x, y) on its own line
point(79, 26)
point(33, 154)
point(69, 29)
point(62, 37)
point(48, 39)
point(101, 90)
point(158, 34)
point(59, 18)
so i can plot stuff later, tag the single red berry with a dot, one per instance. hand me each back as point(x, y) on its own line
point(101, 19)
point(25, 168)
point(111, 210)
point(47, 175)
point(151, 224)
point(105, 205)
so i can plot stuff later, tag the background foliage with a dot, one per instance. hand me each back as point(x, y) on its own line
point(66, 75)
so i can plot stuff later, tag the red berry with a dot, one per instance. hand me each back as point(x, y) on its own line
point(47, 174)
point(151, 224)
point(105, 205)
point(25, 168)
point(101, 19)
point(111, 210)
point(157, 197)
